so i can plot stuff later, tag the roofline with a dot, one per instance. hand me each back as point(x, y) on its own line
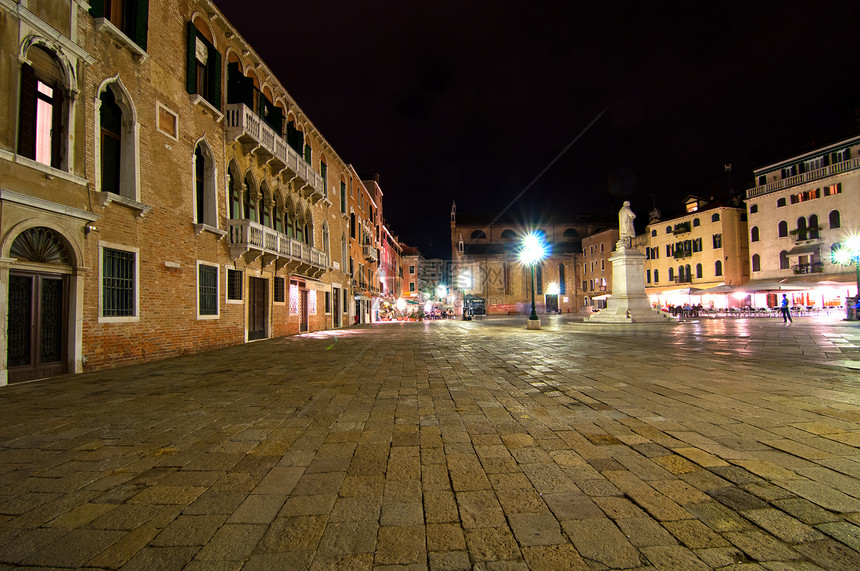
point(842, 143)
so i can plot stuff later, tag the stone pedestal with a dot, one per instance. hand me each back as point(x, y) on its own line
point(628, 303)
point(534, 324)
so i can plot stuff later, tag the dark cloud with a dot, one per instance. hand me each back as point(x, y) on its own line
point(471, 100)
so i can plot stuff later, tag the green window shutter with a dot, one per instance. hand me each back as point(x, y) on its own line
point(141, 23)
point(27, 113)
point(191, 60)
point(214, 66)
point(97, 8)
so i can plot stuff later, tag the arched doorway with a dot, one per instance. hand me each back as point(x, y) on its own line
point(38, 308)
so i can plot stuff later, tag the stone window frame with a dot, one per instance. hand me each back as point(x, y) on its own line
point(125, 318)
point(217, 314)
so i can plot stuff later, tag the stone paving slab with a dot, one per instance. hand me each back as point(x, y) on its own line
point(449, 445)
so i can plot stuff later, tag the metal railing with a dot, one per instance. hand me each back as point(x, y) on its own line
point(817, 174)
point(813, 268)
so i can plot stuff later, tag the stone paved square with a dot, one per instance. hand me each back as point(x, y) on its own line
point(449, 445)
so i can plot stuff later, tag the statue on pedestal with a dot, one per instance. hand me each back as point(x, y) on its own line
point(626, 232)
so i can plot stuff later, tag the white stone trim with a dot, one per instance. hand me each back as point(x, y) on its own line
point(47, 205)
point(217, 293)
point(124, 319)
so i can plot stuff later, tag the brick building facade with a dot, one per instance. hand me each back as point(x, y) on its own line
point(162, 193)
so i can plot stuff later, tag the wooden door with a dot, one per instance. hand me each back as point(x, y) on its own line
point(335, 308)
point(258, 308)
point(38, 326)
point(303, 310)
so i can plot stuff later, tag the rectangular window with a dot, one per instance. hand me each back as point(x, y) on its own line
point(207, 290)
point(833, 189)
point(342, 197)
point(119, 276)
point(128, 16)
point(411, 269)
point(718, 241)
point(234, 285)
point(584, 285)
point(668, 250)
point(328, 302)
point(411, 286)
point(203, 67)
point(279, 293)
point(648, 276)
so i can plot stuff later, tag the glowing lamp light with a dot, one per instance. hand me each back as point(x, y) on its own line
point(553, 289)
point(401, 304)
point(441, 291)
point(428, 307)
point(533, 249)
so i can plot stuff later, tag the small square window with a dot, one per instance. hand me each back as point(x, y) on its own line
point(279, 294)
point(234, 285)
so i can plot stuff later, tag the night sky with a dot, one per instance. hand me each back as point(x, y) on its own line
point(472, 100)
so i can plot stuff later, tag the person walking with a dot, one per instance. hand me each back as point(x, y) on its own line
point(783, 306)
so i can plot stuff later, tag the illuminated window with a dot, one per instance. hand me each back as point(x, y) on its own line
point(41, 119)
point(294, 298)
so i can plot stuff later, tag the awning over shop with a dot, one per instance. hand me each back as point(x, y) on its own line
point(770, 285)
point(721, 289)
point(803, 249)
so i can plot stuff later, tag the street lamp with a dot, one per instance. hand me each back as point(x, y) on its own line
point(847, 254)
point(532, 251)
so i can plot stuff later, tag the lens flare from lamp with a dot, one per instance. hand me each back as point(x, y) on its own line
point(553, 289)
point(533, 249)
point(401, 304)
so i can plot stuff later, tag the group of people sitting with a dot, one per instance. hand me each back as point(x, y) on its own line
point(685, 310)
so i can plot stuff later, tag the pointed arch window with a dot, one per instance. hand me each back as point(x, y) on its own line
point(249, 208)
point(279, 225)
point(205, 196)
point(235, 196)
point(117, 143)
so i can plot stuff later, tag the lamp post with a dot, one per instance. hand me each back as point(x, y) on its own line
point(847, 254)
point(532, 251)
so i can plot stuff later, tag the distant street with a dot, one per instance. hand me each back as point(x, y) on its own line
point(449, 445)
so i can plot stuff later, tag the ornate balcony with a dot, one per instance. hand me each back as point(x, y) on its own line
point(369, 252)
point(251, 239)
point(245, 126)
point(813, 175)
